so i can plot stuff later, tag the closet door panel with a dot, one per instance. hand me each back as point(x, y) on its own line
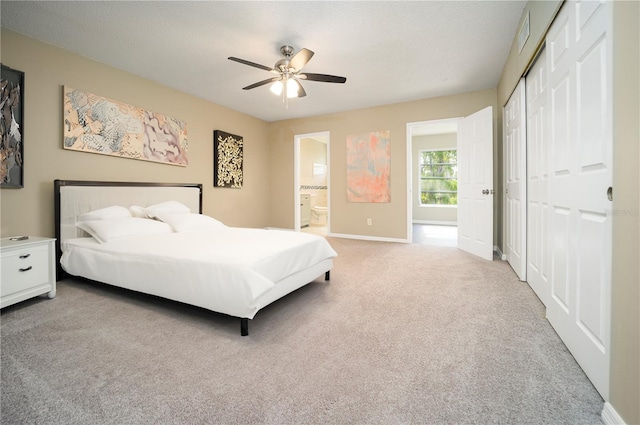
point(538, 252)
point(579, 78)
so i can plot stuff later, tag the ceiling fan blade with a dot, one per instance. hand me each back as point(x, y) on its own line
point(261, 83)
point(301, 92)
point(300, 59)
point(256, 65)
point(322, 77)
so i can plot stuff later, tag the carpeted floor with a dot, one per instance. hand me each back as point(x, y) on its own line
point(402, 334)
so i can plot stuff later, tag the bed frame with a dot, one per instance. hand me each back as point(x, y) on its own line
point(73, 198)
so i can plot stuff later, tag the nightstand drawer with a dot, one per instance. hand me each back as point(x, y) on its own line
point(23, 269)
point(27, 269)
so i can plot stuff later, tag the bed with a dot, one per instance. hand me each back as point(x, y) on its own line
point(166, 247)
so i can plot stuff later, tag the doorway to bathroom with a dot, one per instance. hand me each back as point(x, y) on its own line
point(311, 182)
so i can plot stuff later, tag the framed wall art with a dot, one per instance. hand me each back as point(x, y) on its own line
point(97, 124)
point(227, 160)
point(369, 167)
point(12, 128)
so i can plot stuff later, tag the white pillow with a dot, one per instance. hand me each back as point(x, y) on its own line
point(168, 207)
point(108, 230)
point(107, 213)
point(137, 211)
point(182, 222)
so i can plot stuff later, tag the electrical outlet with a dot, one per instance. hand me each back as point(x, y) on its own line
point(369, 222)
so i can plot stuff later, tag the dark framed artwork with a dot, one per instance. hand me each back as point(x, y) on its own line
point(12, 128)
point(227, 160)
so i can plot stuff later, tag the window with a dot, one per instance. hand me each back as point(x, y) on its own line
point(319, 169)
point(439, 177)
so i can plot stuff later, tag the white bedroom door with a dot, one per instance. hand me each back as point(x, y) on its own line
point(579, 60)
point(538, 257)
point(475, 183)
point(515, 161)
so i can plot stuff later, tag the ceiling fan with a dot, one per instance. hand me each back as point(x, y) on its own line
point(287, 82)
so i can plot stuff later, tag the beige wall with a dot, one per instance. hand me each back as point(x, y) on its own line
point(436, 213)
point(312, 152)
point(541, 14)
point(389, 219)
point(625, 320)
point(47, 69)
point(30, 210)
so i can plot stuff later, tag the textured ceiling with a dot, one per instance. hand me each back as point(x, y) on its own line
point(390, 51)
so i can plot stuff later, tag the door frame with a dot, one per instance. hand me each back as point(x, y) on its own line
point(435, 127)
point(326, 135)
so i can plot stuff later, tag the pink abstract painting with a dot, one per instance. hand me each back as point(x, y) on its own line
point(369, 167)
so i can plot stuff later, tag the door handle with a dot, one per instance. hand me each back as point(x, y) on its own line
point(610, 193)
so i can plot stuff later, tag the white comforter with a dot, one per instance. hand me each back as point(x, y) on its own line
point(224, 269)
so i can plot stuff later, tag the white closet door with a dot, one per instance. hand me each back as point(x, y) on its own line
point(579, 61)
point(515, 161)
point(475, 183)
point(538, 253)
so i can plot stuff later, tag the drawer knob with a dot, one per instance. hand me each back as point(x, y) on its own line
point(26, 269)
point(23, 256)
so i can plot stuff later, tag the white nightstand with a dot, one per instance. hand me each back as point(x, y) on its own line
point(27, 269)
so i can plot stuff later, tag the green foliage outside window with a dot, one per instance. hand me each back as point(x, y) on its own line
point(439, 177)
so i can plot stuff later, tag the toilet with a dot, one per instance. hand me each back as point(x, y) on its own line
point(319, 215)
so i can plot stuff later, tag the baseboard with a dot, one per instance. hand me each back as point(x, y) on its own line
point(502, 256)
point(367, 238)
point(610, 416)
point(436, 223)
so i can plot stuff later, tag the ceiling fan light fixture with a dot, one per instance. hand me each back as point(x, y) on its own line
point(292, 88)
point(287, 83)
point(276, 88)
